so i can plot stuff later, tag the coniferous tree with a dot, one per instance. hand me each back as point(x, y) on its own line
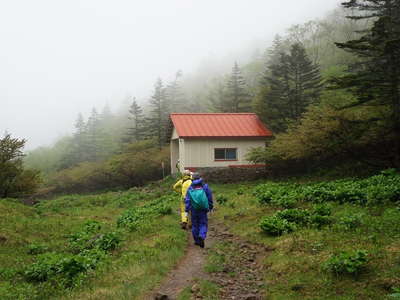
point(109, 137)
point(76, 147)
point(375, 78)
point(136, 131)
point(175, 95)
point(157, 122)
point(273, 101)
point(80, 140)
point(217, 97)
point(293, 84)
point(238, 99)
point(306, 81)
point(273, 54)
point(93, 133)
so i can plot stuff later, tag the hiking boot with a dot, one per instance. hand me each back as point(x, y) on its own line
point(201, 243)
point(184, 225)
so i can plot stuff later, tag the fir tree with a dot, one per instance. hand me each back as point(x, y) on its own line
point(108, 137)
point(375, 78)
point(238, 99)
point(175, 96)
point(136, 131)
point(159, 114)
point(80, 140)
point(93, 135)
point(218, 98)
point(306, 81)
point(293, 84)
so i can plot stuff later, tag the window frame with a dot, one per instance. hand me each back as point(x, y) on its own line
point(225, 159)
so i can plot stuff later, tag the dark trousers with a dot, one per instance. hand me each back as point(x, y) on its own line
point(199, 224)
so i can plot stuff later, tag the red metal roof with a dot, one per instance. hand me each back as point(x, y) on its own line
point(219, 125)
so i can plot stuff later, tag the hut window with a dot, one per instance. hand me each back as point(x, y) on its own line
point(225, 154)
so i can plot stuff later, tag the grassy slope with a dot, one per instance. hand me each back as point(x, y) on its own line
point(143, 258)
point(294, 268)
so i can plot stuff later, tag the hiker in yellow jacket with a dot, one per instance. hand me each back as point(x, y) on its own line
point(181, 186)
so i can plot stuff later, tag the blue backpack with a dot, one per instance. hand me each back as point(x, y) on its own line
point(198, 199)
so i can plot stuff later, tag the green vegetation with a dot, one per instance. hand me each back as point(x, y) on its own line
point(328, 239)
point(347, 262)
point(340, 238)
point(358, 111)
point(15, 180)
point(138, 164)
point(377, 189)
point(87, 246)
point(324, 105)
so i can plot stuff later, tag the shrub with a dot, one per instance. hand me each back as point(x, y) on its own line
point(395, 293)
point(67, 266)
point(8, 273)
point(350, 222)
point(221, 199)
point(276, 226)
point(35, 249)
point(134, 217)
point(86, 238)
point(347, 262)
point(164, 209)
point(138, 164)
point(287, 201)
point(317, 193)
point(108, 241)
point(319, 221)
point(15, 181)
point(322, 209)
point(298, 216)
point(240, 191)
point(46, 266)
point(130, 219)
point(374, 190)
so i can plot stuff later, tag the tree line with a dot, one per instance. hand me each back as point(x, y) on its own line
point(353, 115)
point(328, 89)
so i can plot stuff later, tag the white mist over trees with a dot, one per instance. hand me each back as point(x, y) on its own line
point(61, 58)
point(296, 84)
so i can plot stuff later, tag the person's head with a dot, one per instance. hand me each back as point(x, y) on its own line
point(186, 173)
point(195, 176)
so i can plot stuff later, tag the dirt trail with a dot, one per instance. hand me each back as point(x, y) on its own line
point(241, 276)
point(184, 274)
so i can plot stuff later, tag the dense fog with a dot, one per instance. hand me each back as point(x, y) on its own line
point(59, 58)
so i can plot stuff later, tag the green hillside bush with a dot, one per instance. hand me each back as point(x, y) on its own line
point(347, 262)
point(139, 164)
point(221, 199)
point(35, 249)
point(370, 191)
point(133, 218)
point(276, 226)
point(350, 221)
point(61, 265)
point(295, 215)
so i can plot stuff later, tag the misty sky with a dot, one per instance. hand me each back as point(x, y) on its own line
point(61, 57)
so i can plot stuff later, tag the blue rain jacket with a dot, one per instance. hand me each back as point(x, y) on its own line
point(197, 184)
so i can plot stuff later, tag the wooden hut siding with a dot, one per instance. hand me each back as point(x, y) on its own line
point(200, 153)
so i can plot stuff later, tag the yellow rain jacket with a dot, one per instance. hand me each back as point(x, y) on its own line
point(181, 186)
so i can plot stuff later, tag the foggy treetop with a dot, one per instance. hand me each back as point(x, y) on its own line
point(61, 58)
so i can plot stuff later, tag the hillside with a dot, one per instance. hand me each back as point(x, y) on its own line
point(275, 240)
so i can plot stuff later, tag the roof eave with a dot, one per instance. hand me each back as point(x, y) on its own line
point(224, 136)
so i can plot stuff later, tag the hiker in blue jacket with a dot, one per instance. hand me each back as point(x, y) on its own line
point(199, 202)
